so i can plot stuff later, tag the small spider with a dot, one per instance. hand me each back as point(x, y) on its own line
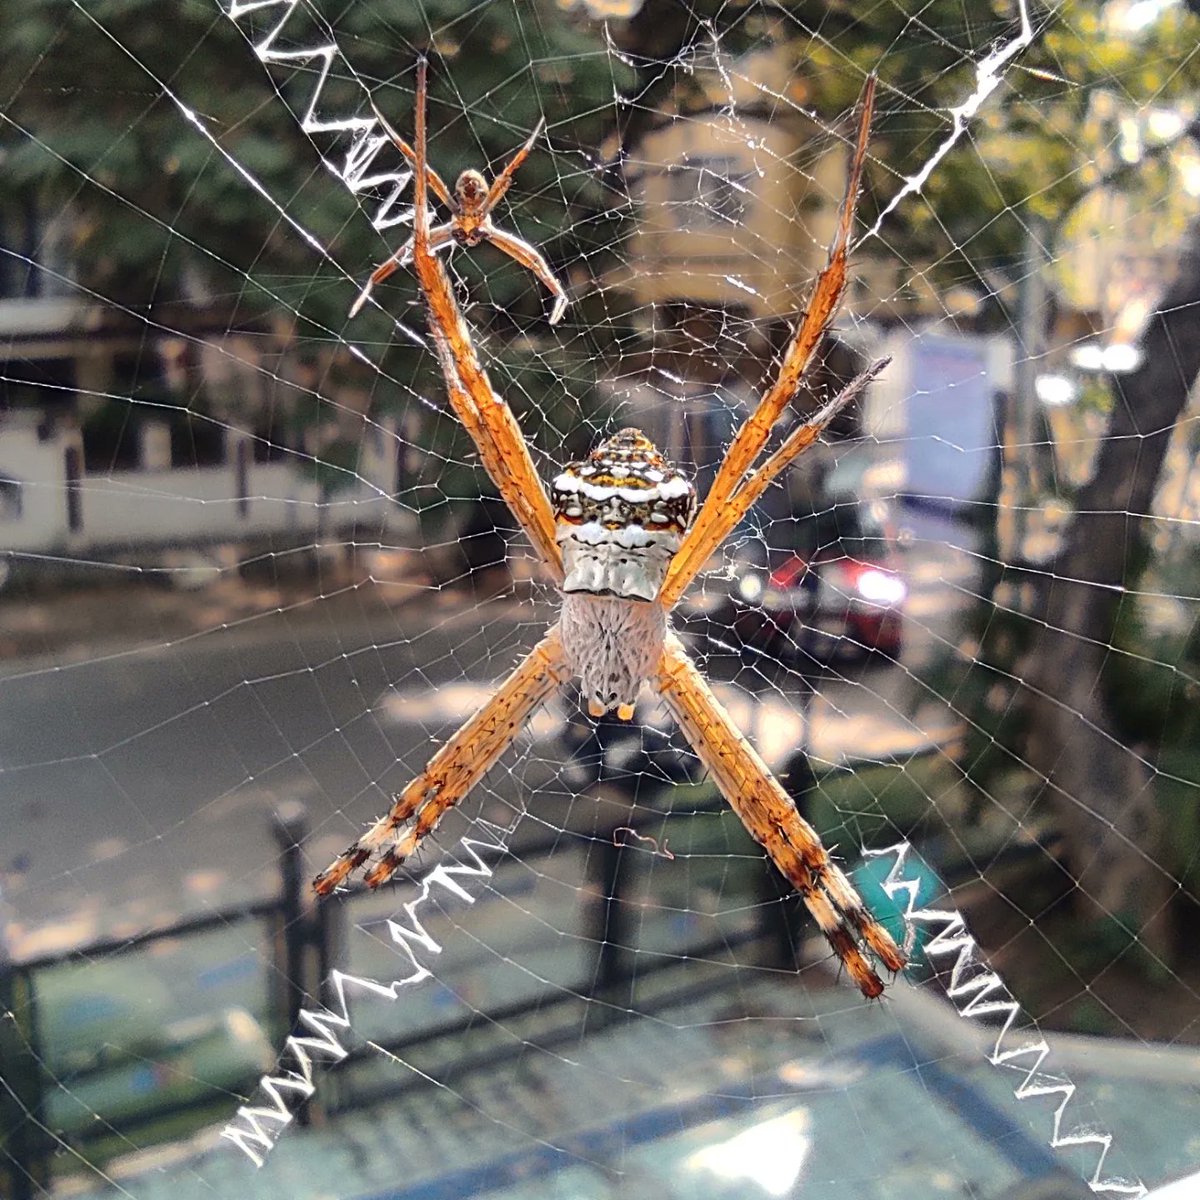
point(470, 222)
point(621, 537)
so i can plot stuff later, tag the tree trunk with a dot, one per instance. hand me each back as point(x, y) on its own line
point(1102, 789)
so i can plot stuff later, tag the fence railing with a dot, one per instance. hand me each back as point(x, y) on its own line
point(27, 1139)
point(306, 943)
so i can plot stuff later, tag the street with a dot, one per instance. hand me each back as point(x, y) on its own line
point(139, 784)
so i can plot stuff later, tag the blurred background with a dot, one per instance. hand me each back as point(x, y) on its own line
point(252, 574)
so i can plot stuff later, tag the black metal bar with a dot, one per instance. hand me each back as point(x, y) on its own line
point(22, 1098)
point(109, 947)
point(241, 471)
point(565, 1033)
point(327, 938)
point(290, 827)
point(74, 472)
point(611, 917)
point(328, 925)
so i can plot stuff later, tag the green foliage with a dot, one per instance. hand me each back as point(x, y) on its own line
point(90, 127)
point(335, 468)
point(158, 216)
point(1036, 146)
point(83, 91)
point(1152, 688)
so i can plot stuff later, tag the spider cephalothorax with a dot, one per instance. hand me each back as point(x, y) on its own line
point(621, 537)
point(471, 221)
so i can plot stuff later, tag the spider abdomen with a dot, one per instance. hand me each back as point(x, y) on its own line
point(613, 645)
point(620, 516)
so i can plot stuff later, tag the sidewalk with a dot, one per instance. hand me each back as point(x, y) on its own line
point(72, 622)
point(776, 1090)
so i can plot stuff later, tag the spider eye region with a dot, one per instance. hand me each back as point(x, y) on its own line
point(620, 516)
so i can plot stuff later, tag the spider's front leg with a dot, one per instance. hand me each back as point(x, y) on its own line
point(771, 818)
point(484, 414)
point(454, 769)
point(521, 251)
point(722, 521)
point(728, 496)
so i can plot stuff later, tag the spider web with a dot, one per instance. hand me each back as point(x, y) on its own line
point(254, 574)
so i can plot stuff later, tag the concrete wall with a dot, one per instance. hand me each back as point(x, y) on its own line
point(141, 509)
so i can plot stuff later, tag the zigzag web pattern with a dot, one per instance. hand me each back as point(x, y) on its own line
point(978, 992)
point(257, 1128)
point(685, 195)
point(366, 137)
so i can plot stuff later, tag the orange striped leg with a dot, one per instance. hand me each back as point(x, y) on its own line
point(770, 817)
point(442, 236)
point(454, 769)
point(486, 416)
point(752, 436)
point(723, 523)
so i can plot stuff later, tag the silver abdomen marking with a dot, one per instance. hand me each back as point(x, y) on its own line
point(620, 515)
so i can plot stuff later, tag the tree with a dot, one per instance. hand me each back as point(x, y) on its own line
point(89, 131)
point(1032, 154)
point(1102, 787)
point(88, 125)
point(159, 223)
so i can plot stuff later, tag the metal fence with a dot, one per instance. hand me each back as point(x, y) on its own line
point(305, 941)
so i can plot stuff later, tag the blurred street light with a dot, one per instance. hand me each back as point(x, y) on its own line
point(1055, 391)
point(1119, 358)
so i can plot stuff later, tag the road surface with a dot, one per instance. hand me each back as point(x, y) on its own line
point(137, 785)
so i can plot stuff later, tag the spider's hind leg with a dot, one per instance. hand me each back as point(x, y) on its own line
point(454, 769)
point(443, 235)
point(771, 818)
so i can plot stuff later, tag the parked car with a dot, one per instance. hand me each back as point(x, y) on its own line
point(833, 593)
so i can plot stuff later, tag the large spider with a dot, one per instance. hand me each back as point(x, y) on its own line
point(618, 536)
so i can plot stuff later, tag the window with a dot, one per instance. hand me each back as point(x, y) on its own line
point(708, 190)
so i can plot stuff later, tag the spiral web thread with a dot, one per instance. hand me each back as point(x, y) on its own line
point(302, 58)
